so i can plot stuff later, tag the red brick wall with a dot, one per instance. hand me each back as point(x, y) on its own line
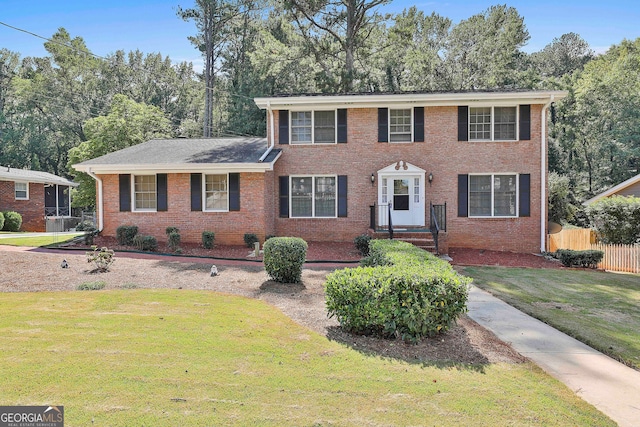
point(229, 227)
point(441, 155)
point(32, 210)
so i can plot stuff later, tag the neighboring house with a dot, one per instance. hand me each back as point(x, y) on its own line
point(35, 195)
point(333, 166)
point(630, 187)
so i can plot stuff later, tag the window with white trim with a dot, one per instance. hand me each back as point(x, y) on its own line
point(145, 194)
point(216, 192)
point(21, 190)
point(494, 195)
point(400, 123)
point(493, 123)
point(313, 197)
point(313, 127)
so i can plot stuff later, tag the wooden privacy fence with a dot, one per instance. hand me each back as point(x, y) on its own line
point(619, 257)
point(578, 239)
point(624, 258)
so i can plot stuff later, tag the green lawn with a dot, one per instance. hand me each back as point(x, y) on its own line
point(597, 308)
point(177, 357)
point(26, 239)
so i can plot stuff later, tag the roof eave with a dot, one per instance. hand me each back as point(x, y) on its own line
point(175, 168)
point(613, 190)
point(436, 99)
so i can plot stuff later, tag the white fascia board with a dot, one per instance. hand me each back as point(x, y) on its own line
point(36, 180)
point(177, 168)
point(436, 99)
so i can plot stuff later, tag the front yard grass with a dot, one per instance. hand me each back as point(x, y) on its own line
point(600, 309)
point(179, 357)
point(27, 239)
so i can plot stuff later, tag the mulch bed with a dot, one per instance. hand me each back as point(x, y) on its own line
point(476, 257)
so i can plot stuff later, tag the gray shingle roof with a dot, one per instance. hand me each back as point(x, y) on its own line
point(183, 151)
point(23, 175)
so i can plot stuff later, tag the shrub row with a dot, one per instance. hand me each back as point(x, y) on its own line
point(584, 259)
point(400, 291)
point(284, 257)
point(127, 235)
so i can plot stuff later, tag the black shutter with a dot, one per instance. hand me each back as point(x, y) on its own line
point(196, 192)
point(283, 126)
point(383, 125)
point(463, 195)
point(161, 186)
point(342, 195)
point(525, 122)
point(342, 125)
point(234, 191)
point(525, 194)
point(418, 124)
point(463, 123)
point(284, 197)
point(125, 193)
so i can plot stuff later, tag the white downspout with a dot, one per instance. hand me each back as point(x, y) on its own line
point(272, 133)
point(543, 178)
point(100, 199)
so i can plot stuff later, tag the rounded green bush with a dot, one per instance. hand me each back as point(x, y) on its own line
point(1, 220)
point(12, 221)
point(125, 234)
point(404, 292)
point(284, 257)
point(208, 238)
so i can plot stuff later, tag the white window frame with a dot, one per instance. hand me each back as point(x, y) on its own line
point(134, 208)
point(411, 126)
point(493, 123)
point(313, 127)
point(313, 196)
point(15, 190)
point(204, 193)
point(493, 175)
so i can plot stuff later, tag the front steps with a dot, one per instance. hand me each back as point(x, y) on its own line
point(422, 238)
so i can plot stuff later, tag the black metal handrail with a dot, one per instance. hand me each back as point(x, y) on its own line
point(390, 222)
point(376, 217)
point(433, 225)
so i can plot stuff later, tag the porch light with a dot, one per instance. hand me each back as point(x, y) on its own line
point(430, 178)
point(373, 179)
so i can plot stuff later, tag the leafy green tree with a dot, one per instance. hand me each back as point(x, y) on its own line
point(483, 51)
point(128, 123)
point(561, 204)
point(564, 55)
point(616, 219)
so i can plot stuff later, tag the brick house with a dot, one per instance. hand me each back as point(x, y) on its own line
point(37, 196)
point(336, 166)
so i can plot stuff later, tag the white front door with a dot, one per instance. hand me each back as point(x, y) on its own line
point(405, 194)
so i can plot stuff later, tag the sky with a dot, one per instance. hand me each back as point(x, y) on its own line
point(152, 26)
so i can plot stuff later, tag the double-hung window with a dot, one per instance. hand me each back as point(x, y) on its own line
point(21, 190)
point(313, 127)
point(493, 123)
point(313, 196)
point(400, 121)
point(216, 193)
point(145, 193)
point(494, 195)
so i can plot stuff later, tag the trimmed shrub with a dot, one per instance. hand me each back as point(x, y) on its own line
point(404, 292)
point(12, 221)
point(616, 219)
point(250, 239)
point(1, 220)
point(102, 258)
point(174, 241)
point(145, 243)
point(284, 257)
point(584, 259)
point(170, 230)
point(362, 244)
point(89, 229)
point(125, 234)
point(208, 239)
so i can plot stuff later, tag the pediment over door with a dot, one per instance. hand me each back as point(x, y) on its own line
point(401, 167)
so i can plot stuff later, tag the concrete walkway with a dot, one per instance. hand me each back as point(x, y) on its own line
point(610, 386)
